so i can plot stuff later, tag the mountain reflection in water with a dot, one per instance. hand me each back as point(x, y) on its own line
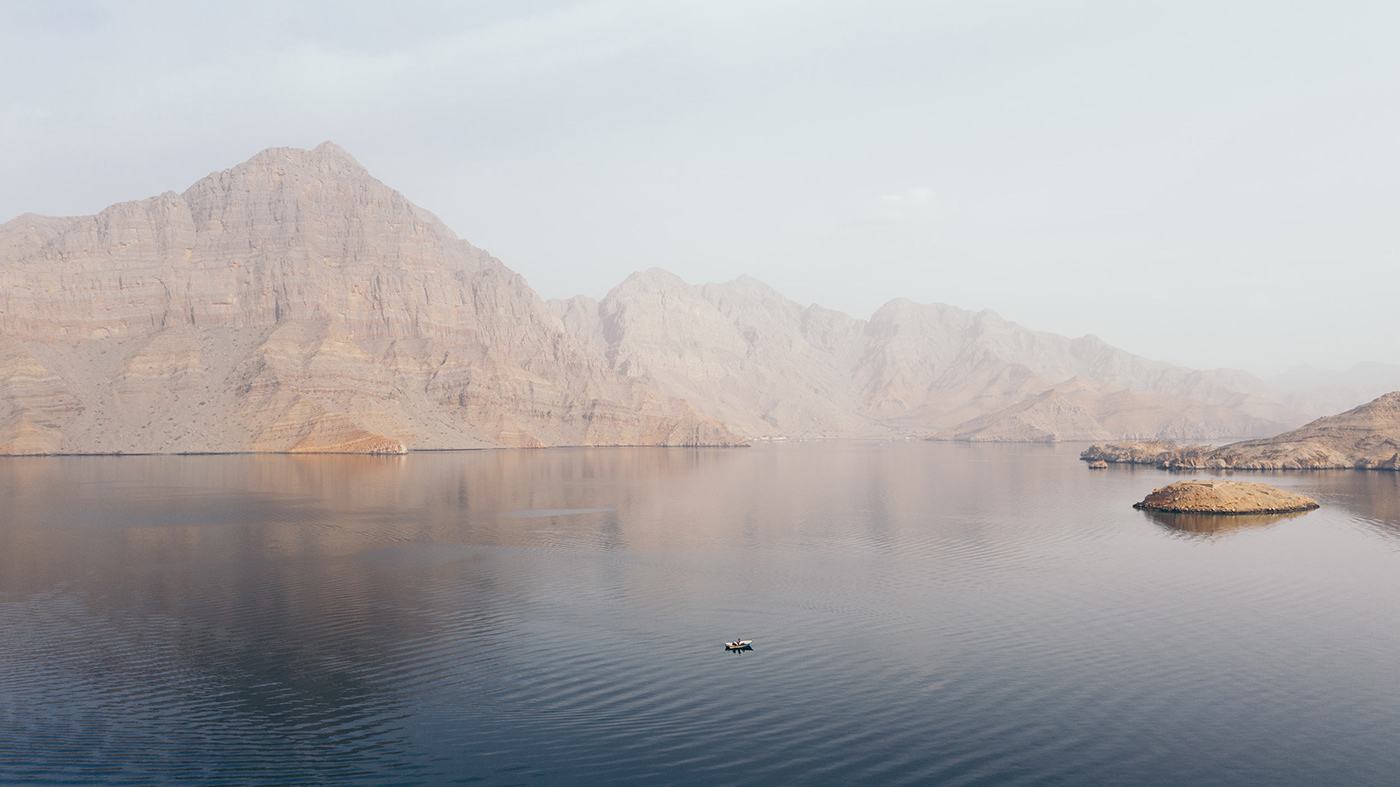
point(928, 612)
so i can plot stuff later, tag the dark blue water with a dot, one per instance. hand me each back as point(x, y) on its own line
point(923, 613)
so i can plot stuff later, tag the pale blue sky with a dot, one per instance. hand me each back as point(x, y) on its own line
point(1209, 183)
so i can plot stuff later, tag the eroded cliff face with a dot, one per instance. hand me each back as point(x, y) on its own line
point(293, 303)
point(746, 356)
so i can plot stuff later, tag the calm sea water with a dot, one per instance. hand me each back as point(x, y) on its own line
point(923, 613)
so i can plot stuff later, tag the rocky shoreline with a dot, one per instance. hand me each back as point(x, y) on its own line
point(1225, 497)
point(1364, 438)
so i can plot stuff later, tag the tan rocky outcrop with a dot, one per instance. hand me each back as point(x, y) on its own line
point(1225, 497)
point(1134, 452)
point(1364, 438)
point(35, 404)
point(305, 427)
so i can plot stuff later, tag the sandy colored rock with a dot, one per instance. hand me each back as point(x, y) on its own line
point(1225, 497)
point(294, 303)
point(36, 405)
point(1133, 452)
point(1098, 465)
point(1363, 438)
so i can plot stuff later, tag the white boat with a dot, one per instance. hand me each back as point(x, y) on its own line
point(738, 645)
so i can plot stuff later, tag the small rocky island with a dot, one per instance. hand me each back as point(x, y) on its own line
point(1225, 497)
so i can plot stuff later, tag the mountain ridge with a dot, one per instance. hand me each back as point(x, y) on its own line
point(746, 355)
point(293, 302)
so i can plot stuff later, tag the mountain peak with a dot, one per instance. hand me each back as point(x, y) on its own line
point(326, 157)
point(330, 148)
point(752, 287)
point(652, 279)
point(278, 185)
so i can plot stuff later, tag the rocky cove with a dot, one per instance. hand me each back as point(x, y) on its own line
point(1363, 438)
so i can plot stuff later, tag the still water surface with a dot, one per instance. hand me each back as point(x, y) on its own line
point(924, 613)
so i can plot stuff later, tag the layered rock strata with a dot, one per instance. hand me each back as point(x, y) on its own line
point(293, 303)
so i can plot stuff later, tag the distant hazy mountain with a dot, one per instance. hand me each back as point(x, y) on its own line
point(1314, 390)
point(740, 352)
point(746, 356)
point(295, 303)
point(292, 303)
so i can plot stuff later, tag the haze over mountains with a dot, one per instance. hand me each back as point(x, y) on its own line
point(1325, 391)
point(746, 356)
point(1363, 438)
point(295, 303)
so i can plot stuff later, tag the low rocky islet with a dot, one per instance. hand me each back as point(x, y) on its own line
point(1225, 497)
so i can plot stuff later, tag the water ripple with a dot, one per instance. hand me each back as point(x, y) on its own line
point(927, 613)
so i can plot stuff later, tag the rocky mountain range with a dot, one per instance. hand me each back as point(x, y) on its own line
point(746, 356)
point(295, 303)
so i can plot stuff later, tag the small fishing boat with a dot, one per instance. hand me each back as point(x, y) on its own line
point(741, 644)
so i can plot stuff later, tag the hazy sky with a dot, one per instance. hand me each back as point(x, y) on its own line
point(1210, 183)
